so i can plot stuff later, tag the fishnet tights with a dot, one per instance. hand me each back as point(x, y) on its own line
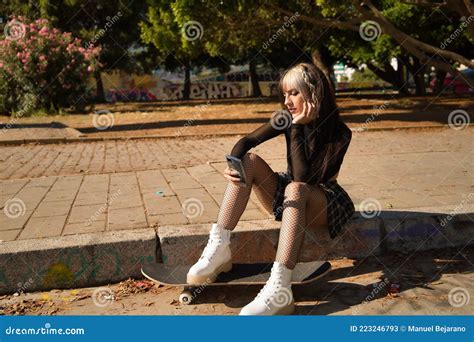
point(264, 180)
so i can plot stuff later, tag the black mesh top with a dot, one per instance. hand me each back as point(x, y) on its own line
point(301, 166)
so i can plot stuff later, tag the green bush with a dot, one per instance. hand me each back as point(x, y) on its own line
point(42, 68)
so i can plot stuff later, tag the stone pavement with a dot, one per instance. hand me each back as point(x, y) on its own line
point(175, 186)
point(67, 189)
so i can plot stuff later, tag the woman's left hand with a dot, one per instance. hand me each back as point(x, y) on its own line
point(308, 115)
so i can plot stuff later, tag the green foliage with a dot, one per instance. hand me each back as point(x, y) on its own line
point(42, 67)
point(364, 75)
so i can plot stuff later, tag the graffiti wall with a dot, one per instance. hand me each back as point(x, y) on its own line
point(124, 87)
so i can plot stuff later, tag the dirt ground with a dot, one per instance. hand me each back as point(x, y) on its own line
point(238, 116)
point(437, 282)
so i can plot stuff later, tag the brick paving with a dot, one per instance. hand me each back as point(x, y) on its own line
point(62, 189)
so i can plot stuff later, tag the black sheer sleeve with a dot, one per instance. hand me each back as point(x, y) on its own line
point(263, 133)
point(299, 162)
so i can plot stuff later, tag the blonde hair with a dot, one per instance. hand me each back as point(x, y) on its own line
point(306, 79)
point(327, 135)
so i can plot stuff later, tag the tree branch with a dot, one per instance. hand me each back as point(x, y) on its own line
point(411, 44)
point(349, 25)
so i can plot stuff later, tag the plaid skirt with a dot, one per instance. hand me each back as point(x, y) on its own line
point(340, 207)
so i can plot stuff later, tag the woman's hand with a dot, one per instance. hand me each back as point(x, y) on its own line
point(308, 114)
point(231, 175)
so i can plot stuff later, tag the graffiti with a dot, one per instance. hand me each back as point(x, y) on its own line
point(58, 274)
point(119, 86)
point(75, 267)
point(215, 90)
point(139, 95)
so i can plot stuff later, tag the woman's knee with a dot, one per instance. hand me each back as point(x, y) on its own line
point(249, 158)
point(299, 189)
point(249, 162)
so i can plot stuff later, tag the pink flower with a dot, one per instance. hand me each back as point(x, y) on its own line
point(44, 31)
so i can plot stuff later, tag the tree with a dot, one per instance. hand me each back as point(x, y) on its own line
point(112, 25)
point(417, 51)
point(175, 35)
point(42, 67)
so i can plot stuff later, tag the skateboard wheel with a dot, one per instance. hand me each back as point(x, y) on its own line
point(185, 297)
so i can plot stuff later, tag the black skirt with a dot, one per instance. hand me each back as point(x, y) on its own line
point(340, 206)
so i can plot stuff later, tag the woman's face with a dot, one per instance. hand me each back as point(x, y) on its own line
point(293, 101)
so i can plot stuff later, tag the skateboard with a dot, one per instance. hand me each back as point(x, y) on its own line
point(241, 274)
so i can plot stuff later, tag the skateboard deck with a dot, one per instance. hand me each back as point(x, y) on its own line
point(240, 274)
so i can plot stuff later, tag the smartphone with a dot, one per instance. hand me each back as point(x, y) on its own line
point(236, 164)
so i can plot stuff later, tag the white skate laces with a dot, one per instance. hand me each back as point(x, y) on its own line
point(215, 258)
point(276, 297)
point(274, 292)
point(214, 242)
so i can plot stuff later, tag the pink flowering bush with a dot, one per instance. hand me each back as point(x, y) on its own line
point(42, 67)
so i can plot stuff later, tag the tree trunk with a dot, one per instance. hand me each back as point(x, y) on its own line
point(319, 61)
point(401, 75)
point(419, 76)
point(440, 76)
point(187, 82)
point(390, 75)
point(256, 92)
point(100, 94)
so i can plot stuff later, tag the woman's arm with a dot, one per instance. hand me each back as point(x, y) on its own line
point(299, 163)
point(265, 132)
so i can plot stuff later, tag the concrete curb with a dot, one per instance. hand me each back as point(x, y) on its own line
point(94, 259)
point(141, 137)
point(253, 241)
point(75, 260)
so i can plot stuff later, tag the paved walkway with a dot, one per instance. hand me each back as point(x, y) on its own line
point(62, 189)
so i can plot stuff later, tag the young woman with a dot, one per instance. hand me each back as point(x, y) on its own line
point(306, 196)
